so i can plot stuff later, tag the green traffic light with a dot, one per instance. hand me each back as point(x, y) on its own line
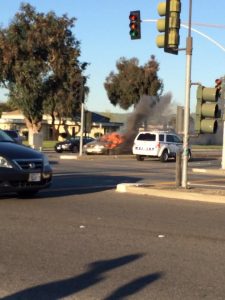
point(135, 25)
point(133, 33)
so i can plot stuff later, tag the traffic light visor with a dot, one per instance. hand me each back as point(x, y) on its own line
point(208, 94)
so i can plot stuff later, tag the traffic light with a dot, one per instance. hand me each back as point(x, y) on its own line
point(207, 110)
point(218, 85)
point(169, 26)
point(135, 24)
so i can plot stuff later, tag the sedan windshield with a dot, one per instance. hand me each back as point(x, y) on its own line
point(5, 138)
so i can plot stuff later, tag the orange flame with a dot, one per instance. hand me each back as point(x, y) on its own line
point(113, 139)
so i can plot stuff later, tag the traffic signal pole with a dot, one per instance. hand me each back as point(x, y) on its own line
point(81, 129)
point(82, 95)
point(187, 100)
point(223, 113)
point(223, 149)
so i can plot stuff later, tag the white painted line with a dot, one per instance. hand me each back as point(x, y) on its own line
point(68, 157)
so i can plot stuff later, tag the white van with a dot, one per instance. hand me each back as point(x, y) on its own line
point(161, 144)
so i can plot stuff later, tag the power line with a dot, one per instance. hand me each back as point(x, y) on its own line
point(197, 31)
point(221, 26)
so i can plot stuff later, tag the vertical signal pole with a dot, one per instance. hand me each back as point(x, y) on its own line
point(82, 95)
point(187, 100)
point(223, 149)
point(223, 114)
point(81, 129)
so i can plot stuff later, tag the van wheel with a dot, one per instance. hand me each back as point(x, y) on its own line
point(165, 156)
point(139, 157)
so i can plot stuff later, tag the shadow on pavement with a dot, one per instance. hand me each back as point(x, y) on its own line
point(95, 274)
point(75, 184)
point(84, 184)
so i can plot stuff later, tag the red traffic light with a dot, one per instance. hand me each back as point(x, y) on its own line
point(218, 83)
point(133, 17)
point(218, 86)
point(135, 24)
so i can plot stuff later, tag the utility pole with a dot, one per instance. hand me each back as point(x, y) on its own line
point(223, 118)
point(81, 129)
point(82, 95)
point(187, 100)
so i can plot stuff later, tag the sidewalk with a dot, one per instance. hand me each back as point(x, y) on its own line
point(169, 190)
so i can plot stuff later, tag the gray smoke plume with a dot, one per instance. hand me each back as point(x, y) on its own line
point(153, 112)
point(150, 110)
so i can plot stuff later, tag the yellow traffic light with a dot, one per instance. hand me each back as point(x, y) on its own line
point(169, 25)
point(207, 110)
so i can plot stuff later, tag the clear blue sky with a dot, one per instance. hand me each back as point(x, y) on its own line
point(103, 30)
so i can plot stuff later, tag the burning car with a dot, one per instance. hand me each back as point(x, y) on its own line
point(107, 144)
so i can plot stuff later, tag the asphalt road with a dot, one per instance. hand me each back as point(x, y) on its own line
point(112, 170)
point(82, 240)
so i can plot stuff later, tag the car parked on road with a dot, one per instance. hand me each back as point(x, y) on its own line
point(161, 144)
point(72, 144)
point(110, 143)
point(14, 134)
point(96, 147)
point(22, 170)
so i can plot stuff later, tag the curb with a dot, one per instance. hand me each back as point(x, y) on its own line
point(93, 157)
point(191, 194)
point(219, 172)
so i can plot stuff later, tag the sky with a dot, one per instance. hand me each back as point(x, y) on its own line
point(102, 27)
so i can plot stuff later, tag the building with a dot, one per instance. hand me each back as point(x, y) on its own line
point(95, 125)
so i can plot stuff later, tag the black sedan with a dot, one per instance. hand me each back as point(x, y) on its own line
point(22, 170)
point(72, 144)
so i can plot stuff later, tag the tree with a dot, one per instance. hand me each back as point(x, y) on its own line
point(39, 59)
point(4, 106)
point(62, 110)
point(125, 87)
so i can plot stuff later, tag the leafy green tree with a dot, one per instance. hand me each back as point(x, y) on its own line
point(4, 106)
point(39, 64)
point(131, 81)
point(60, 104)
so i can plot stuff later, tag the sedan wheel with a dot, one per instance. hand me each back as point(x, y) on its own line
point(58, 150)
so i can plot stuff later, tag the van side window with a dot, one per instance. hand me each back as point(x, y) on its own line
point(169, 138)
point(176, 139)
point(161, 138)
